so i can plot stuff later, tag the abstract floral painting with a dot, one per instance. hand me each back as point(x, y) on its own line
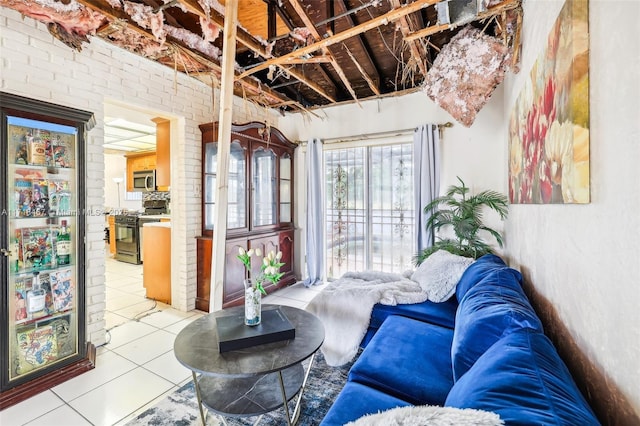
point(549, 125)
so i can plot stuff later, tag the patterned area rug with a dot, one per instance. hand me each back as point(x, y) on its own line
point(181, 407)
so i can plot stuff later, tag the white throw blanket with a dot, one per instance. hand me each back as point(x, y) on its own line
point(345, 306)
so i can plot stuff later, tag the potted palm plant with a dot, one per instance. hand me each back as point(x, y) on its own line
point(463, 213)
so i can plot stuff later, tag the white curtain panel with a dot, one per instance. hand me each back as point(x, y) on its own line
point(426, 174)
point(315, 214)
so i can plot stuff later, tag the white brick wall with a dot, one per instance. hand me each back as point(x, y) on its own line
point(34, 64)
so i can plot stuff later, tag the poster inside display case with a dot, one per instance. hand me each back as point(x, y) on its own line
point(42, 237)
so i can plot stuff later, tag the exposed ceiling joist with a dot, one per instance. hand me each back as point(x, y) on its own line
point(373, 80)
point(325, 51)
point(123, 19)
point(418, 53)
point(390, 16)
point(250, 42)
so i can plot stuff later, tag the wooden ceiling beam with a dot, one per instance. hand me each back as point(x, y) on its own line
point(323, 59)
point(391, 16)
point(496, 10)
point(415, 48)
point(117, 14)
point(252, 44)
point(316, 36)
point(243, 36)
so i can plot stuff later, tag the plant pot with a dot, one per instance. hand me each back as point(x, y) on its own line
point(252, 303)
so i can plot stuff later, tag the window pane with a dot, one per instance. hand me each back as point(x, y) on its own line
point(392, 219)
point(369, 209)
point(346, 213)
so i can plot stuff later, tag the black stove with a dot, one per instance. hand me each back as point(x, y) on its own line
point(152, 207)
point(129, 230)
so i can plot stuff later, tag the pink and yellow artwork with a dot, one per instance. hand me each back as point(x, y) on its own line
point(549, 125)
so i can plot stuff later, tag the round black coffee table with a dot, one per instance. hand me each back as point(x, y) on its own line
point(252, 381)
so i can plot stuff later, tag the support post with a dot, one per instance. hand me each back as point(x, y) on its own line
point(224, 142)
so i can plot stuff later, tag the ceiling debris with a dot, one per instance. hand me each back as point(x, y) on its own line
point(466, 73)
point(292, 55)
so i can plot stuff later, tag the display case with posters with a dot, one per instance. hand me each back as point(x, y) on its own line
point(42, 339)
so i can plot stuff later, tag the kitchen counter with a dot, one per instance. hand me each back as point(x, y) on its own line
point(157, 225)
point(156, 216)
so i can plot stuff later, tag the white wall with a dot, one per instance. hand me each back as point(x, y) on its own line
point(475, 154)
point(584, 258)
point(36, 65)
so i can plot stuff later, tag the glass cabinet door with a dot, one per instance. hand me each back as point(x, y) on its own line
point(237, 197)
point(264, 187)
point(42, 222)
point(209, 190)
point(237, 208)
point(285, 188)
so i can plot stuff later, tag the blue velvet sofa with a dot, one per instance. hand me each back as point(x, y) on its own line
point(483, 349)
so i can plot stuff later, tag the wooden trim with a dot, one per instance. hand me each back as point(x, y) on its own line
point(27, 390)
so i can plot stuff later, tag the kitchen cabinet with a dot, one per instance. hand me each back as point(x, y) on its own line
point(137, 162)
point(156, 265)
point(43, 314)
point(112, 235)
point(163, 154)
point(259, 211)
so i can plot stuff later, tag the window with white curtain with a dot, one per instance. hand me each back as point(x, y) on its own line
point(369, 209)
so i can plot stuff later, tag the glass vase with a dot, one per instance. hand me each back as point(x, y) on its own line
point(252, 303)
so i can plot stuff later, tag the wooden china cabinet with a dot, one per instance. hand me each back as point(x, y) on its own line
point(260, 206)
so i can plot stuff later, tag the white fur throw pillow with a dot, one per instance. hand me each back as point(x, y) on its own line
point(425, 415)
point(439, 274)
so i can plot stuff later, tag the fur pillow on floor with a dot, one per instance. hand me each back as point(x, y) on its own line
point(439, 274)
point(426, 415)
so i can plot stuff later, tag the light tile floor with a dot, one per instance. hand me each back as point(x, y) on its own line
point(136, 368)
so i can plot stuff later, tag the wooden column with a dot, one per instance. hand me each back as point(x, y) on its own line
point(224, 142)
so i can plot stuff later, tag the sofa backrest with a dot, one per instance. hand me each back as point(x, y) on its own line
point(491, 309)
point(522, 378)
point(477, 271)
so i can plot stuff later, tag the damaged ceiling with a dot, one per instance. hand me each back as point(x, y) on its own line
point(291, 55)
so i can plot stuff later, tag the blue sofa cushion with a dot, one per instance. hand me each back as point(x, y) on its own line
point(476, 272)
point(408, 359)
point(442, 314)
point(356, 400)
point(493, 308)
point(523, 379)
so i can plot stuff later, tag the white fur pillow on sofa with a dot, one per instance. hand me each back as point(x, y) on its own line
point(439, 274)
point(425, 415)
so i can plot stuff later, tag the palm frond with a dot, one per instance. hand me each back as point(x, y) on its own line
point(464, 214)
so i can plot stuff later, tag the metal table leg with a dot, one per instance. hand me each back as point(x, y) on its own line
point(292, 420)
point(195, 384)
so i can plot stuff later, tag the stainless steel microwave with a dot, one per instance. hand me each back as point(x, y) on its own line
point(144, 180)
